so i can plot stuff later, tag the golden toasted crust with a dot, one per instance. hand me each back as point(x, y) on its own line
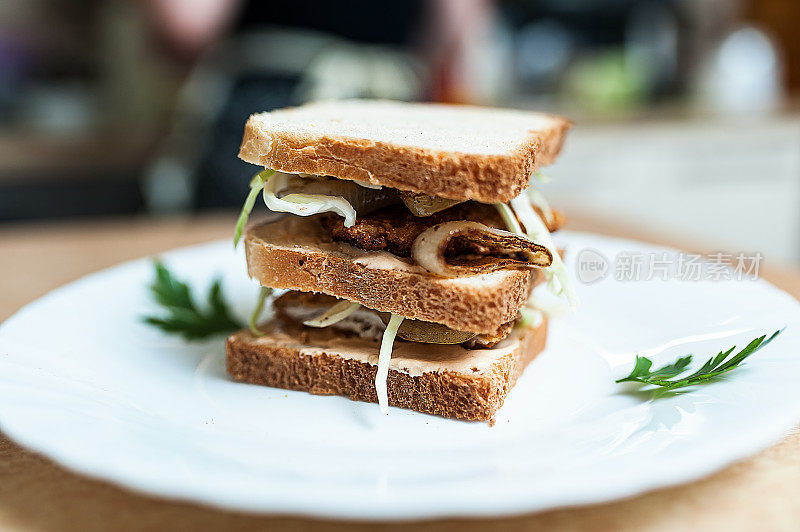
point(474, 396)
point(459, 174)
point(304, 260)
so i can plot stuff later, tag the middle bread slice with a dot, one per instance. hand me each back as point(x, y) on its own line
point(296, 253)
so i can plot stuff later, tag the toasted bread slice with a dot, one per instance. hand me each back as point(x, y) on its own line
point(297, 254)
point(456, 152)
point(447, 381)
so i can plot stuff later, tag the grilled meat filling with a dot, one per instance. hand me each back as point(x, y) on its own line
point(394, 229)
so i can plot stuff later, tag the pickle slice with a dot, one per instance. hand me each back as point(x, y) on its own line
point(422, 205)
point(426, 332)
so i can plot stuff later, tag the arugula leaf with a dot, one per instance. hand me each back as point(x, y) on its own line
point(713, 368)
point(183, 316)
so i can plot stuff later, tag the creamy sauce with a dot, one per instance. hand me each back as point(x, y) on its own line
point(382, 260)
point(407, 357)
point(291, 231)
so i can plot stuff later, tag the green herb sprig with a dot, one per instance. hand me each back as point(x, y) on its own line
point(665, 376)
point(183, 316)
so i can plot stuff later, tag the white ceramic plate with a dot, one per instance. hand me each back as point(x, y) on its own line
point(84, 382)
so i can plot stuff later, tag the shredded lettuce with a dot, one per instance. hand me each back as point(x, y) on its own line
point(551, 309)
point(385, 355)
point(262, 297)
point(335, 314)
point(305, 204)
point(256, 185)
point(538, 232)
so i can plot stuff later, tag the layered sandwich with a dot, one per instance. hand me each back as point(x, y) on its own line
point(412, 239)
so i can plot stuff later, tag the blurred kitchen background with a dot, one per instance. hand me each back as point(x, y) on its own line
point(687, 112)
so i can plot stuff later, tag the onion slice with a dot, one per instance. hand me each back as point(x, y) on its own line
point(453, 249)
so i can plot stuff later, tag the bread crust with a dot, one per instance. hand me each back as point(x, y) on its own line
point(489, 178)
point(472, 397)
point(480, 307)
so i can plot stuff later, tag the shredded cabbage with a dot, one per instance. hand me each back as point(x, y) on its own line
point(537, 199)
point(335, 314)
point(508, 217)
point(256, 185)
point(262, 297)
point(385, 355)
point(538, 232)
point(530, 317)
point(305, 204)
point(541, 177)
point(551, 309)
point(300, 204)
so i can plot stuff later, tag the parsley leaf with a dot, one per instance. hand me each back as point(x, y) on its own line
point(183, 316)
point(713, 368)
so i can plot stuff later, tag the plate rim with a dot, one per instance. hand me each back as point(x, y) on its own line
point(749, 446)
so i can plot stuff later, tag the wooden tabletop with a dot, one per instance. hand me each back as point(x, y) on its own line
point(762, 492)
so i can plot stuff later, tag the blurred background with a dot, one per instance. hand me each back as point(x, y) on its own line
point(686, 112)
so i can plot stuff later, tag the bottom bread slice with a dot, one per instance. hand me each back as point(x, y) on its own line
point(448, 381)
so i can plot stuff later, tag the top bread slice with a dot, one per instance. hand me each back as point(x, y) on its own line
point(457, 152)
point(296, 253)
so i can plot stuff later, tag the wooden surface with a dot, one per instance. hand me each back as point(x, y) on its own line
point(35, 494)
